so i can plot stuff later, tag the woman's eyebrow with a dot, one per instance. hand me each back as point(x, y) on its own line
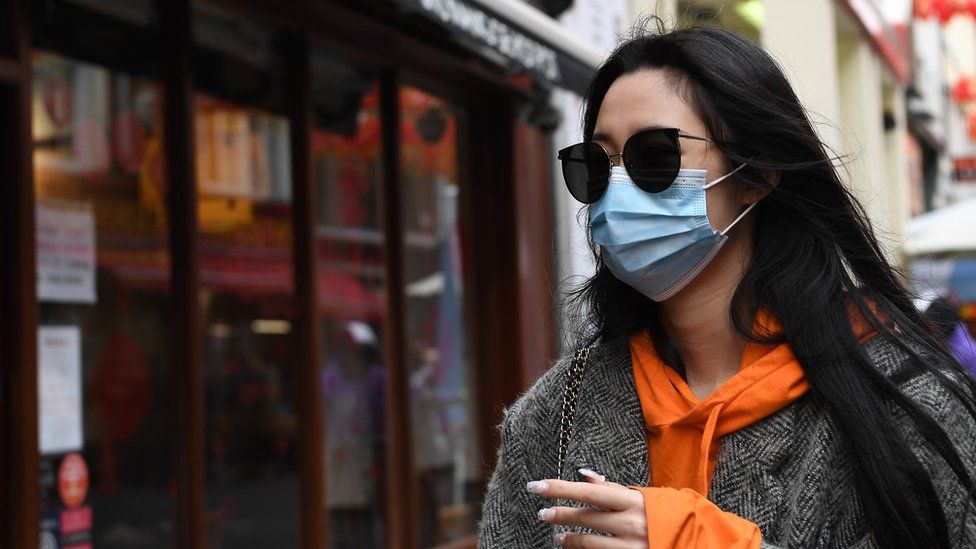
point(602, 136)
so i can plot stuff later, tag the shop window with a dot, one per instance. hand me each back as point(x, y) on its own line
point(352, 293)
point(247, 290)
point(443, 394)
point(104, 352)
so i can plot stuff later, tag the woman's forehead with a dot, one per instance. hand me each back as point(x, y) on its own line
point(640, 100)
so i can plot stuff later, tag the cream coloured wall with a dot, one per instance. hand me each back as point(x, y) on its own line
point(862, 133)
point(802, 37)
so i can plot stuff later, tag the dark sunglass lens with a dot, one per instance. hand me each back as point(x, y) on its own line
point(653, 159)
point(586, 169)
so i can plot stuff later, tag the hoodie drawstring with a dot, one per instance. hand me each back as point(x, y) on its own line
point(706, 444)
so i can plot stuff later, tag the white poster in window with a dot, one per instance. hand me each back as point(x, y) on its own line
point(59, 389)
point(65, 252)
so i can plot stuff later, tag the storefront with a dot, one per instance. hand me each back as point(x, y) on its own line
point(270, 270)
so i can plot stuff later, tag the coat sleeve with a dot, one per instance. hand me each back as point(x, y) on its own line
point(686, 519)
point(960, 427)
point(509, 519)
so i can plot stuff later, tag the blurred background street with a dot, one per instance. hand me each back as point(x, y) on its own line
point(272, 270)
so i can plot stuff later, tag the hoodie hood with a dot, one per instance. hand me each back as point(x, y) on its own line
point(683, 431)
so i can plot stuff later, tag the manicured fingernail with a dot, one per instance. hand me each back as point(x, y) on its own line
point(537, 486)
point(590, 473)
point(547, 513)
point(560, 538)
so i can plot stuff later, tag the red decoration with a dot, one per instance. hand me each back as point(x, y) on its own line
point(944, 10)
point(73, 480)
point(129, 141)
point(121, 386)
point(964, 91)
point(58, 102)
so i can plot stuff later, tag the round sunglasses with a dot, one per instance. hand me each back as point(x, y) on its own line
point(652, 158)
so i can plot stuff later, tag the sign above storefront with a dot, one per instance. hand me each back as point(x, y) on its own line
point(964, 169)
point(539, 45)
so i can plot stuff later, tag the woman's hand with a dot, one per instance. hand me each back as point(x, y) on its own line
point(621, 514)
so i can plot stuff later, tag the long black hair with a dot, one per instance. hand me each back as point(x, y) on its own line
point(815, 260)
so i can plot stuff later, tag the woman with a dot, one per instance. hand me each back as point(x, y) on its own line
point(752, 373)
point(945, 316)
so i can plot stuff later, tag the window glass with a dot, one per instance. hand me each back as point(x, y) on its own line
point(247, 292)
point(351, 300)
point(444, 422)
point(104, 354)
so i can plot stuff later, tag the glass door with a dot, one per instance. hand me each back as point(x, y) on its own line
point(442, 392)
point(247, 288)
point(103, 279)
point(352, 297)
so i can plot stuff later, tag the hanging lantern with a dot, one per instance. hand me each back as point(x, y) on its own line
point(943, 10)
point(946, 9)
point(927, 9)
point(922, 9)
point(964, 91)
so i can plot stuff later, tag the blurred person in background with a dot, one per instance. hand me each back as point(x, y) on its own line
point(947, 321)
point(751, 372)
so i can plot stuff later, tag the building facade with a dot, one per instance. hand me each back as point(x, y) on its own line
point(270, 270)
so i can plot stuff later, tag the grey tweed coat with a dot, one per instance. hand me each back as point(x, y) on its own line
point(788, 473)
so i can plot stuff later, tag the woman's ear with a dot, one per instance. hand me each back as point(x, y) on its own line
point(757, 191)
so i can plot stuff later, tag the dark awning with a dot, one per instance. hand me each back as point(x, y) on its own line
point(516, 35)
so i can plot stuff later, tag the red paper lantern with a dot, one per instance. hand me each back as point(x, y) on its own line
point(927, 9)
point(964, 91)
point(945, 9)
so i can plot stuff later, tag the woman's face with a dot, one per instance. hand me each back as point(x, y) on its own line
point(647, 99)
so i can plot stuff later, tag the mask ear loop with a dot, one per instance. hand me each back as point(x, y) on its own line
point(741, 215)
point(724, 177)
point(736, 220)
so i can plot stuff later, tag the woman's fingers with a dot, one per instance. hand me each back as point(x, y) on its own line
point(592, 476)
point(589, 541)
point(593, 519)
point(599, 495)
point(617, 523)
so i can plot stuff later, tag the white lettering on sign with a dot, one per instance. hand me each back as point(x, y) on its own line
point(509, 42)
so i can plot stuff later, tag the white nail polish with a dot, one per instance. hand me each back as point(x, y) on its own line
point(560, 538)
point(547, 514)
point(537, 486)
point(590, 473)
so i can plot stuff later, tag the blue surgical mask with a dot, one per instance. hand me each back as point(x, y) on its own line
point(657, 242)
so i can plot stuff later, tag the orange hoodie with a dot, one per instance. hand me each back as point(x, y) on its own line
point(682, 433)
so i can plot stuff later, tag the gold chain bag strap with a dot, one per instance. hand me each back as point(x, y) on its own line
point(570, 399)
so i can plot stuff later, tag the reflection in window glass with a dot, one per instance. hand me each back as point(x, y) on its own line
point(247, 297)
point(103, 284)
point(447, 456)
point(351, 300)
